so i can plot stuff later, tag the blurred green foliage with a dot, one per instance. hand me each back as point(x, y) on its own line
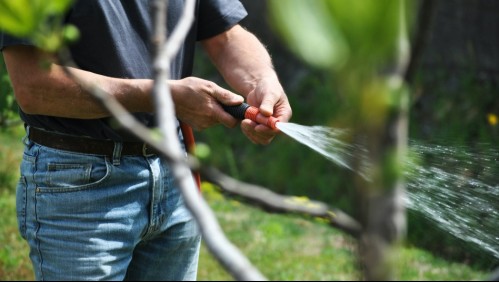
point(24, 18)
point(37, 20)
point(332, 34)
point(8, 105)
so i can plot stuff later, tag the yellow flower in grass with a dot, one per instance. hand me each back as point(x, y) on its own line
point(492, 118)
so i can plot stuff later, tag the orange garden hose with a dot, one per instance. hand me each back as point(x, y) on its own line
point(190, 145)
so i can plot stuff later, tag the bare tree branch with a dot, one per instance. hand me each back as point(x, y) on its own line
point(224, 251)
point(178, 34)
point(271, 201)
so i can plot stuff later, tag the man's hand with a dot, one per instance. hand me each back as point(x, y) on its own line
point(247, 67)
point(271, 100)
point(197, 102)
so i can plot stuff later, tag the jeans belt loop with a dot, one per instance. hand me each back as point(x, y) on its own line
point(145, 147)
point(26, 141)
point(118, 146)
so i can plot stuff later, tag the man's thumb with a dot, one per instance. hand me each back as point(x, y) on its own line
point(267, 107)
point(227, 97)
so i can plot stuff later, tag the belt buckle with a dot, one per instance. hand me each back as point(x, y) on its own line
point(144, 151)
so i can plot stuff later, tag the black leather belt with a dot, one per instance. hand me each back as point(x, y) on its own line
point(87, 145)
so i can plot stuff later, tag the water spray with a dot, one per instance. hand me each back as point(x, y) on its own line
point(438, 194)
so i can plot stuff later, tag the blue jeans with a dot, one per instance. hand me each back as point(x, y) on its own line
point(88, 217)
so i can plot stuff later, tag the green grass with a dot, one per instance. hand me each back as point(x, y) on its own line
point(282, 247)
point(287, 247)
point(14, 261)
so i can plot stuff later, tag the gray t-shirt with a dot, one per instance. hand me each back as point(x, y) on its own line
point(115, 41)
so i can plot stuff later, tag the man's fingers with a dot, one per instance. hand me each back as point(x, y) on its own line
point(257, 133)
point(225, 96)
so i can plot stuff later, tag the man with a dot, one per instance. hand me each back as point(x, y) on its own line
point(92, 203)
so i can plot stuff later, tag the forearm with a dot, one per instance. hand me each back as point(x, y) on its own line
point(42, 87)
point(62, 96)
point(240, 58)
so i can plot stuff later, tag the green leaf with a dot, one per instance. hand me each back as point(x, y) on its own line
point(37, 20)
point(202, 151)
point(50, 42)
point(70, 33)
point(310, 31)
point(16, 17)
point(369, 26)
point(56, 6)
point(333, 33)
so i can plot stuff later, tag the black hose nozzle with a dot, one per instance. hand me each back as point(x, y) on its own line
point(237, 111)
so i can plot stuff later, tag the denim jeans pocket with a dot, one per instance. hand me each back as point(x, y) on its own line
point(68, 172)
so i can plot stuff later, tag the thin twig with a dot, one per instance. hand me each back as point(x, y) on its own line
point(274, 202)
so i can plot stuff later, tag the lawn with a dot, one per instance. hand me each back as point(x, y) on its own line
point(287, 247)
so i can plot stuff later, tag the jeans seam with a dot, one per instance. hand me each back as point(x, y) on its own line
point(37, 241)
